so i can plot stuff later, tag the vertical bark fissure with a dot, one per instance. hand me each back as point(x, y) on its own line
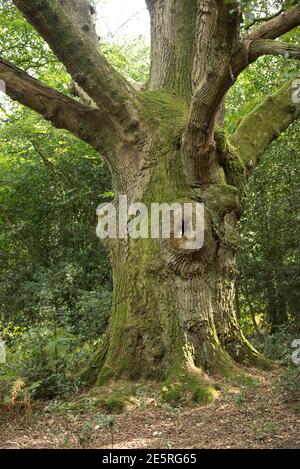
point(172, 44)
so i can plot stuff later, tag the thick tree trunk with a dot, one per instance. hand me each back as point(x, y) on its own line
point(173, 309)
point(165, 300)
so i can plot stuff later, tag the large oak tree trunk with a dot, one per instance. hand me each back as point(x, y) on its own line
point(173, 308)
point(166, 300)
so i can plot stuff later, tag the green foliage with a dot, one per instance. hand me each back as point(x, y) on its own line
point(85, 434)
point(89, 427)
point(130, 58)
point(53, 269)
point(270, 253)
point(171, 393)
point(268, 282)
point(278, 346)
point(114, 405)
point(264, 430)
point(248, 384)
point(47, 359)
point(22, 45)
point(240, 397)
point(289, 384)
point(52, 264)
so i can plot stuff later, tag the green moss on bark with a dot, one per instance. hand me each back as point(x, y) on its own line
point(265, 123)
point(165, 299)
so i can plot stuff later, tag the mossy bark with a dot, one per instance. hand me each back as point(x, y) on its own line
point(173, 317)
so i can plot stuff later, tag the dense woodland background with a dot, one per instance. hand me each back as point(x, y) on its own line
point(55, 278)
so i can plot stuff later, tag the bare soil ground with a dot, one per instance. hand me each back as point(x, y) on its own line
point(238, 418)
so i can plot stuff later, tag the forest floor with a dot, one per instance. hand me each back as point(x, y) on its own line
point(258, 417)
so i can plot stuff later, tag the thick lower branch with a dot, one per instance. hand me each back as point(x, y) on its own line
point(265, 123)
point(86, 65)
point(261, 47)
point(63, 111)
point(277, 26)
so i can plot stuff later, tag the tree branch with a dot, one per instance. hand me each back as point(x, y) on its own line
point(225, 60)
point(63, 111)
point(277, 26)
point(150, 5)
point(222, 59)
point(86, 65)
point(260, 20)
point(266, 122)
point(82, 13)
point(261, 47)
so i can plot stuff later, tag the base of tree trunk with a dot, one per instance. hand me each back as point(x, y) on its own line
point(184, 382)
point(173, 320)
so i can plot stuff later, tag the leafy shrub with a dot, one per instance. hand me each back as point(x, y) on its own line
point(290, 383)
point(48, 359)
point(52, 265)
point(278, 346)
point(264, 430)
point(93, 310)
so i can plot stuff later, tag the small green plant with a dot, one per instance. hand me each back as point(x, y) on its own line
point(114, 405)
point(85, 434)
point(59, 407)
point(262, 431)
point(169, 409)
point(289, 383)
point(246, 383)
point(172, 393)
point(278, 346)
point(83, 405)
point(47, 359)
point(240, 397)
point(106, 421)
